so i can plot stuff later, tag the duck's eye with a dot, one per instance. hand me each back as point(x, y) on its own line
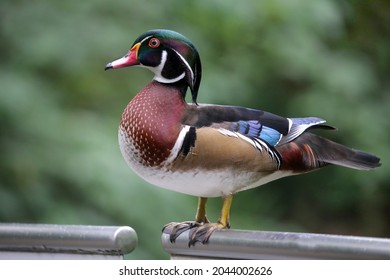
point(154, 43)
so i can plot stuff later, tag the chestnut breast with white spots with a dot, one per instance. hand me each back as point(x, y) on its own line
point(150, 125)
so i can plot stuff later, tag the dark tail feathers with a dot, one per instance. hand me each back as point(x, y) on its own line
point(310, 151)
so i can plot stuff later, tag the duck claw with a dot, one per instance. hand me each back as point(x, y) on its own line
point(199, 232)
point(177, 229)
point(202, 233)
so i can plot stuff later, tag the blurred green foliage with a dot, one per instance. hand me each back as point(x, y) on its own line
point(59, 111)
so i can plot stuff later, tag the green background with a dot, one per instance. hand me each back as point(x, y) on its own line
point(59, 111)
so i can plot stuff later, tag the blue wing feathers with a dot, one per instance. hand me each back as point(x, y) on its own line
point(249, 128)
point(255, 129)
point(270, 135)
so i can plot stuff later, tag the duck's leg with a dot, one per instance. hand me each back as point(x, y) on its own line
point(200, 219)
point(200, 216)
point(203, 232)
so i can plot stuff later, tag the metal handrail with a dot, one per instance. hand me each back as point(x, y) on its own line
point(66, 239)
point(240, 244)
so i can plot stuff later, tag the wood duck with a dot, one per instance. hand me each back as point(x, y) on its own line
point(210, 150)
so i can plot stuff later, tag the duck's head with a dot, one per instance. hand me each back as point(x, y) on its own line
point(168, 54)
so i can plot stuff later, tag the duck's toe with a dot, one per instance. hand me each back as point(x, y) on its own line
point(202, 233)
point(175, 229)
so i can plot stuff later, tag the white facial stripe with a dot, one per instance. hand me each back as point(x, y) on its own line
point(186, 63)
point(146, 38)
point(161, 79)
point(158, 69)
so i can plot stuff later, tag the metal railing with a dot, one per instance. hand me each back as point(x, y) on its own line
point(43, 241)
point(239, 244)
